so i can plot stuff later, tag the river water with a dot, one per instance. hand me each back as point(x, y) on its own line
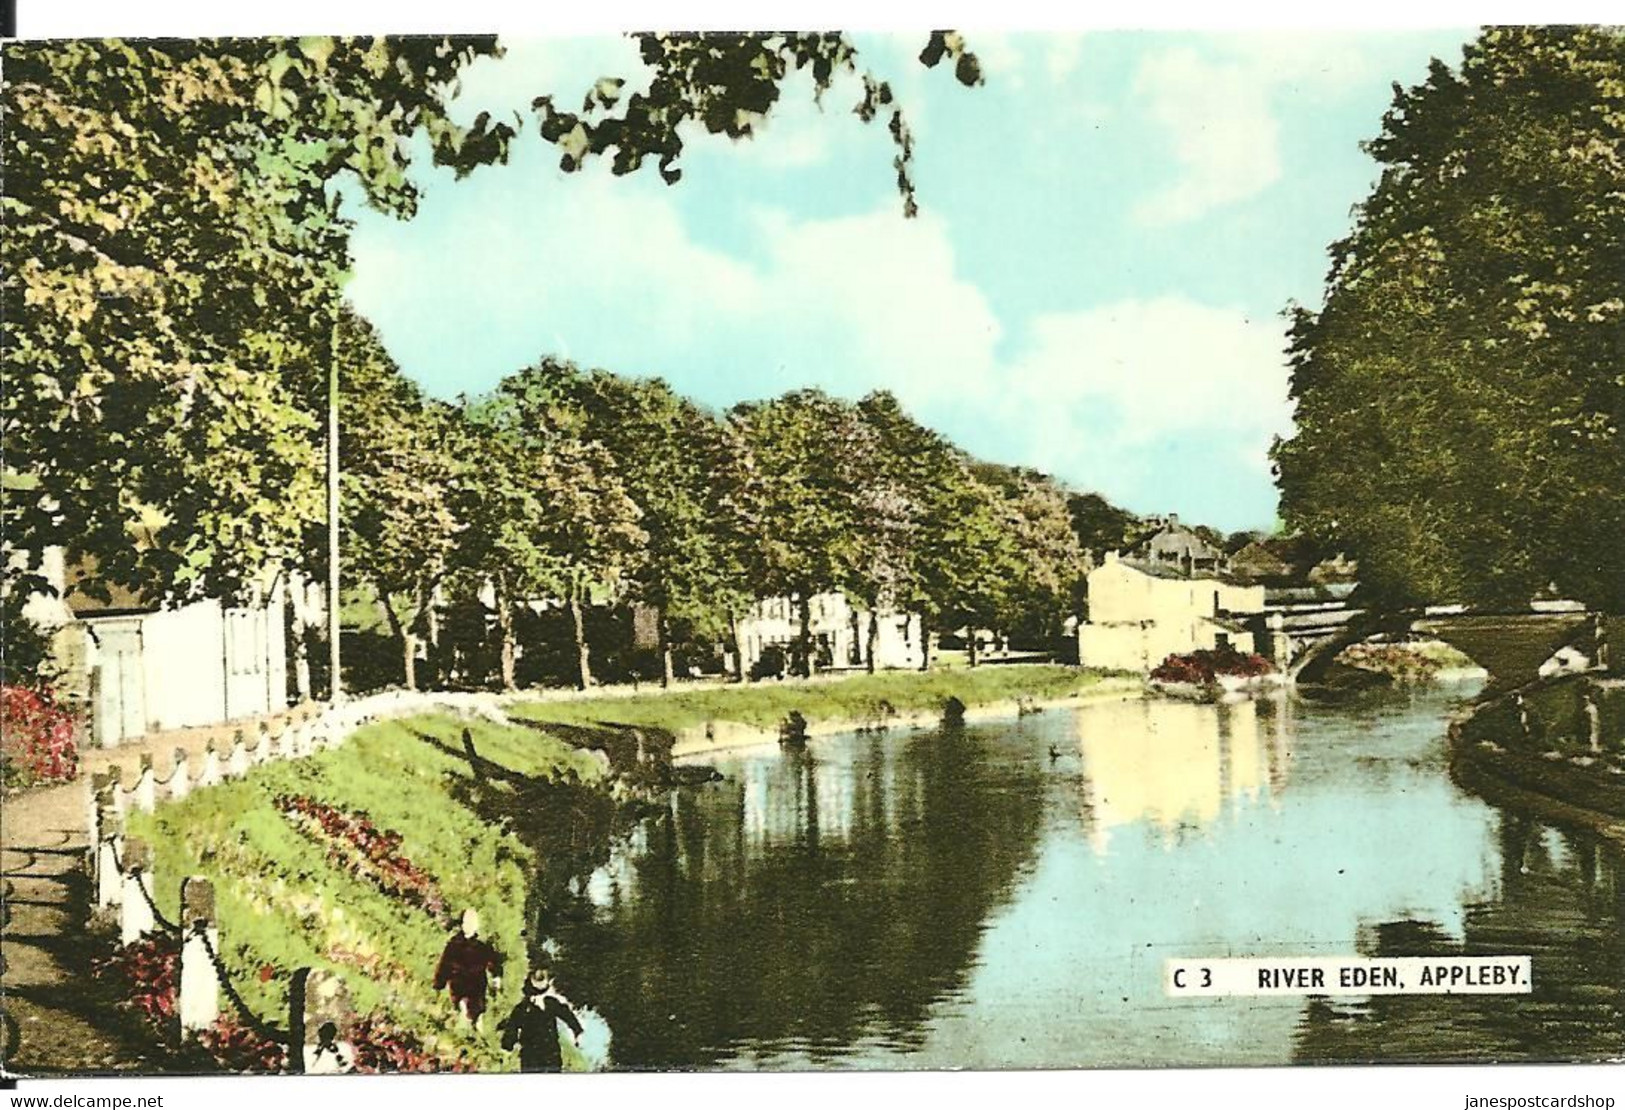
point(1004, 896)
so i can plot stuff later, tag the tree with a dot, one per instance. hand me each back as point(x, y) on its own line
point(904, 495)
point(1047, 574)
point(400, 489)
point(728, 84)
point(734, 504)
point(172, 283)
point(661, 443)
point(580, 536)
point(504, 504)
point(801, 471)
point(968, 557)
point(1101, 526)
point(1459, 395)
point(175, 250)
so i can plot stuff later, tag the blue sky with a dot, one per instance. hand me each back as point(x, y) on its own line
point(1109, 231)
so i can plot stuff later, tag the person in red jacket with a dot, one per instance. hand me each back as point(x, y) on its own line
point(467, 966)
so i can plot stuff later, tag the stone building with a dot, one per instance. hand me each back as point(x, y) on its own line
point(1142, 612)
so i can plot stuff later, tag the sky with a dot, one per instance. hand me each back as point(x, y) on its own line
point(1109, 231)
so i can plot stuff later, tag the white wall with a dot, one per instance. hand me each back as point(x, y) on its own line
point(185, 666)
point(778, 621)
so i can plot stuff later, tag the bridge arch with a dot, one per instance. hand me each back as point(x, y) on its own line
point(1511, 646)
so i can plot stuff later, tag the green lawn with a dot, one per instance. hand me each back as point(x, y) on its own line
point(858, 698)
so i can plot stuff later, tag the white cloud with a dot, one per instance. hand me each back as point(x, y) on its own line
point(1098, 395)
point(1063, 51)
point(1216, 107)
point(609, 268)
point(1218, 119)
point(850, 304)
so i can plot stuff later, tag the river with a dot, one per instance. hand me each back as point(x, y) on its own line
point(1004, 896)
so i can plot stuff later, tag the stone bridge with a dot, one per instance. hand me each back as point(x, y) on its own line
point(1304, 630)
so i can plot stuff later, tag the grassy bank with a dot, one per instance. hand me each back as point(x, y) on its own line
point(858, 698)
point(290, 895)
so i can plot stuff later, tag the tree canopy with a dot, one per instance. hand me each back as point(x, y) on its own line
point(174, 252)
point(1461, 392)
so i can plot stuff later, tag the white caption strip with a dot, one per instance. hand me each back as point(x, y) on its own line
point(1348, 975)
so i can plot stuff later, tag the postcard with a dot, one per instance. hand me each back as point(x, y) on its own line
point(800, 550)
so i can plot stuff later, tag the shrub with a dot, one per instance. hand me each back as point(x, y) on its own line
point(1205, 668)
point(150, 972)
point(240, 1048)
point(36, 739)
point(384, 1048)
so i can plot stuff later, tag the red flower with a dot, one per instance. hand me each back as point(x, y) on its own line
point(36, 739)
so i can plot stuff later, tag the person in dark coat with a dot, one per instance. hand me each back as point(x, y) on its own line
point(466, 966)
point(533, 1026)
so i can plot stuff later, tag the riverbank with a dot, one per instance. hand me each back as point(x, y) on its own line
point(696, 723)
point(359, 860)
point(1556, 747)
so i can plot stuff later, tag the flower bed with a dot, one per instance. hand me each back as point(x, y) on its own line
point(148, 972)
point(36, 740)
point(1400, 662)
point(366, 851)
point(1207, 668)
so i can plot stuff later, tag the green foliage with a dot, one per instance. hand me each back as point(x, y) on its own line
point(400, 480)
point(1046, 583)
point(1460, 395)
point(25, 650)
point(174, 254)
point(728, 84)
point(172, 266)
point(284, 904)
point(1101, 526)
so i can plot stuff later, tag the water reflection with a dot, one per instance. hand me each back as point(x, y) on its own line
point(1560, 898)
point(814, 900)
point(1005, 895)
point(1175, 765)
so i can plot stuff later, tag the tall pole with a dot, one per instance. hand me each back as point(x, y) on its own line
point(336, 682)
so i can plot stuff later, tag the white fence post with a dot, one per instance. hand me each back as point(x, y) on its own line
point(109, 881)
point(286, 741)
point(180, 779)
point(199, 1002)
point(100, 800)
point(144, 794)
point(325, 1018)
point(115, 790)
point(237, 763)
point(135, 907)
point(209, 774)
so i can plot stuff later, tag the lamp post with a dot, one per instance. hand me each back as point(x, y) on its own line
point(336, 681)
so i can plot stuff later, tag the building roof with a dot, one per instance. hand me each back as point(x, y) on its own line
point(1170, 571)
point(89, 595)
point(1175, 542)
